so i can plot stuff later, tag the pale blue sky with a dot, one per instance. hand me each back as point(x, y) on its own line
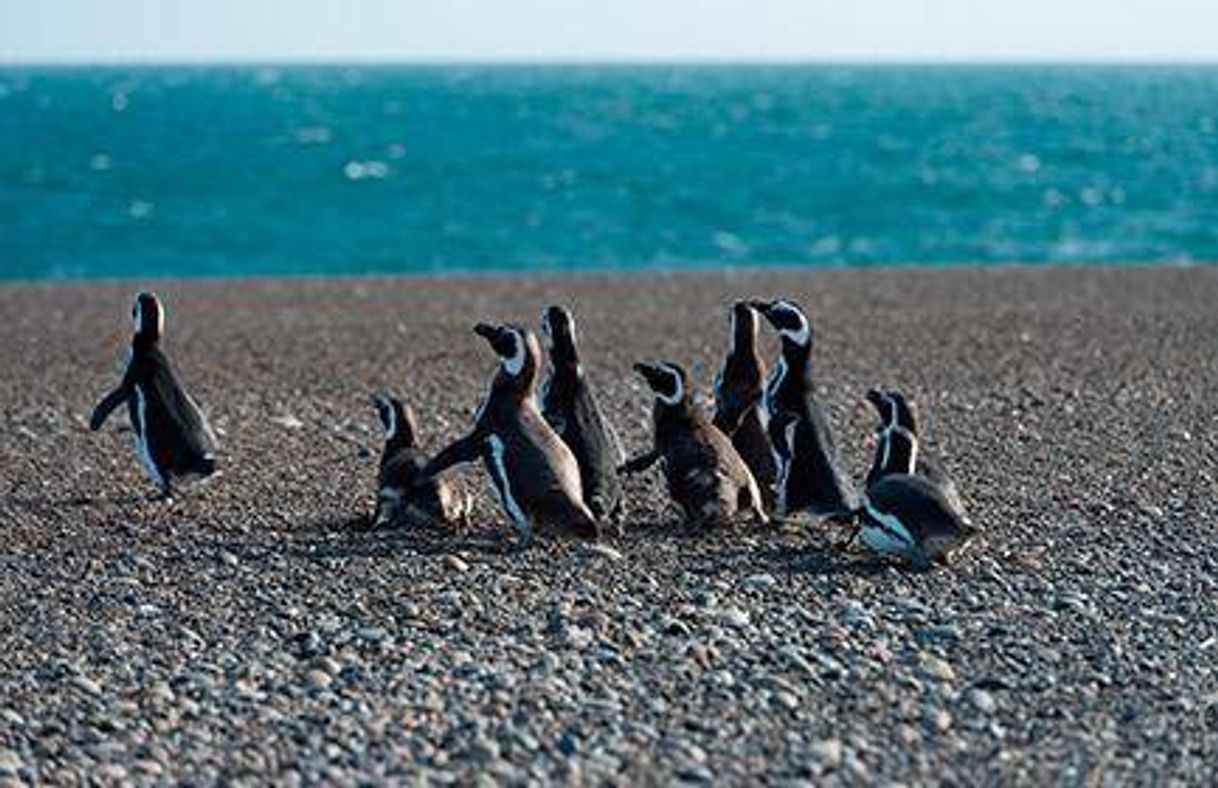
point(190, 30)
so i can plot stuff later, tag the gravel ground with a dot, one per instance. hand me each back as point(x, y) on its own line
point(251, 632)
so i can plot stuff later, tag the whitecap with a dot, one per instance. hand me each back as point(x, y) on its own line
point(118, 101)
point(140, 209)
point(313, 135)
point(100, 162)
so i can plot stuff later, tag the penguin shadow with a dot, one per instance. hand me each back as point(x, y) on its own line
point(816, 560)
point(355, 537)
point(49, 503)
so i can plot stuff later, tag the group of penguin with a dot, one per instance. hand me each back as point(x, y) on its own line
point(556, 463)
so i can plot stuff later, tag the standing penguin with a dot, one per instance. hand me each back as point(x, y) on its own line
point(810, 476)
point(172, 438)
point(739, 399)
point(895, 412)
point(399, 500)
point(906, 514)
point(568, 405)
point(533, 472)
point(705, 474)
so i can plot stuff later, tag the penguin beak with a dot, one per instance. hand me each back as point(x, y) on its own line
point(761, 307)
point(877, 400)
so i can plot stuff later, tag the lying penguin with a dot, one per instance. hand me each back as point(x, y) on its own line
point(811, 475)
point(895, 412)
point(569, 406)
point(399, 500)
point(906, 514)
point(739, 399)
point(172, 438)
point(533, 472)
point(705, 474)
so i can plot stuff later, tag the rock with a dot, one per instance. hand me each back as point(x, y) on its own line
point(10, 763)
point(287, 421)
point(601, 550)
point(938, 669)
point(761, 582)
point(86, 685)
point(455, 563)
point(982, 701)
point(694, 773)
point(827, 753)
point(733, 617)
point(319, 679)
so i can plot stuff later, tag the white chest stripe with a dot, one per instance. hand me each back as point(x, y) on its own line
point(885, 533)
point(141, 437)
point(503, 488)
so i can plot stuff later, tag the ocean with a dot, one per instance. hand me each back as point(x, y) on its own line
point(208, 171)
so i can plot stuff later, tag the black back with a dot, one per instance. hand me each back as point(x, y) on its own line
point(569, 406)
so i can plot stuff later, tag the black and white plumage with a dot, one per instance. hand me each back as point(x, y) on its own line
point(706, 476)
point(402, 497)
point(172, 437)
point(740, 399)
point(810, 474)
point(906, 514)
point(895, 412)
point(534, 474)
point(570, 407)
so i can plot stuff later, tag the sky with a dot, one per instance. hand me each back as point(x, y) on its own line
point(607, 30)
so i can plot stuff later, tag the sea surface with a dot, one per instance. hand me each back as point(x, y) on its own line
point(316, 170)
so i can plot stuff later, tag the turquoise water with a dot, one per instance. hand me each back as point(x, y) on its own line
point(242, 170)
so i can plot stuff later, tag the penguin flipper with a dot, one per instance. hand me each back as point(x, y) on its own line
point(104, 408)
point(463, 450)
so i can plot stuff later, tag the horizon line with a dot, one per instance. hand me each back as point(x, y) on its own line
point(606, 61)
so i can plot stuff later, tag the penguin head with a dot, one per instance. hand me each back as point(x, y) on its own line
point(397, 420)
point(666, 379)
point(744, 324)
point(149, 317)
point(517, 349)
point(788, 319)
point(884, 407)
point(558, 325)
point(903, 412)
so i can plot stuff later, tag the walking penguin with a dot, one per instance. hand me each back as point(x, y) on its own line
point(569, 406)
point(810, 476)
point(172, 437)
point(533, 472)
point(705, 474)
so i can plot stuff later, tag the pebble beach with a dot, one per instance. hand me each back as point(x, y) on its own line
point(254, 632)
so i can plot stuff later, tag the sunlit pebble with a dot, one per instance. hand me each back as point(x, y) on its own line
point(118, 102)
point(100, 162)
point(1029, 163)
point(140, 209)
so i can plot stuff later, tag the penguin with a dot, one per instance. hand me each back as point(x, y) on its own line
point(739, 403)
point(705, 475)
point(569, 406)
point(810, 476)
point(534, 473)
point(895, 412)
point(172, 437)
point(906, 514)
point(398, 499)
